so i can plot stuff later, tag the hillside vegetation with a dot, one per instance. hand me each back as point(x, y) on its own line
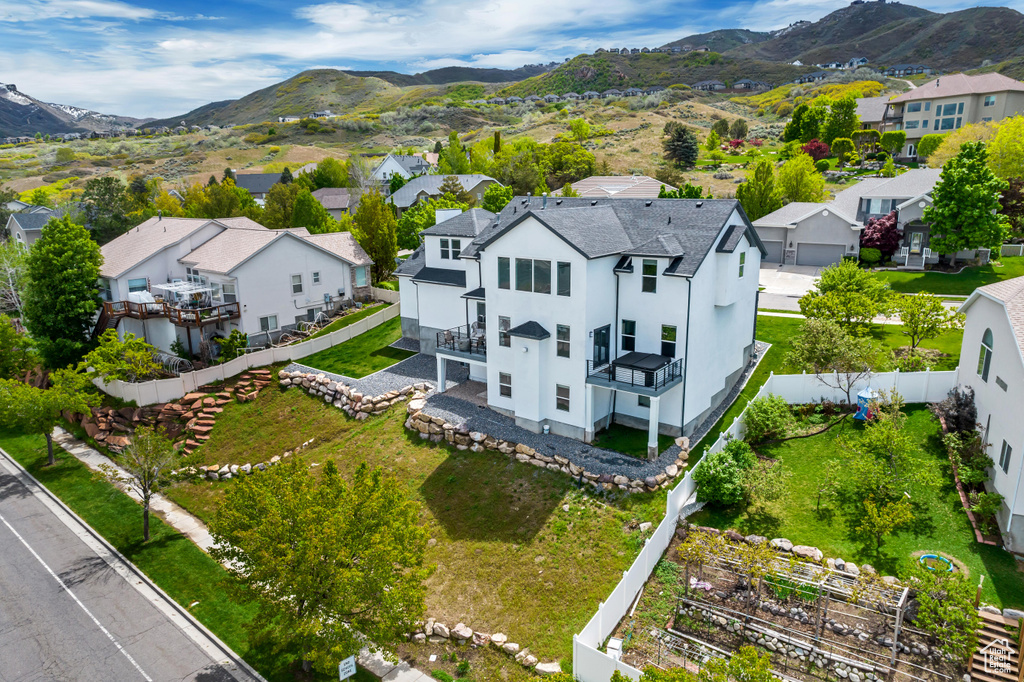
point(722, 39)
point(1013, 68)
point(452, 74)
point(775, 100)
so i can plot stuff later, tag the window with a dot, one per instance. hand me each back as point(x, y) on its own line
point(743, 261)
point(1004, 457)
point(524, 274)
point(985, 358)
point(643, 401)
point(912, 124)
point(950, 109)
point(959, 110)
point(456, 248)
point(990, 100)
point(927, 106)
point(481, 315)
point(564, 278)
point(445, 250)
point(268, 323)
point(533, 275)
point(316, 277)
point(504, 385)
point(629, 335)
point(913, 107)
point(296, 284)
point(562, 337)
point(229, 293)
point(924, 124)
point(504, 273)
point(141, 284)
point(450, 249)
point(504, 324)
point(668, 340)
point(562, 398)
point(361, 276)
point(650, 277)
point(986, 119)
point(947, 123)
point(958, 121)
point(104, 286)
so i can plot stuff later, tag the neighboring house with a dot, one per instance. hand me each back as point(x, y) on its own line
point(908, 70)
point(619, 186)
point(191, 279)
point(257, 184)
point(591, 94)
point(812, 77)
point(611, 92)
point(26, 226)
point(571, 96)
point(632, 92)
point(871, 112)
point(405, 165)
point(821, 234)
point(857, 62)
point(744, 84)
point(582, 312)
point(17, 205)
point(992, 363)
point(429, 187)
point(709, 85)
point(551, 98)
point(334, 199)
point(952, 101)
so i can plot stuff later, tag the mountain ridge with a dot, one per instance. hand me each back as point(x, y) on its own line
point(23, 115)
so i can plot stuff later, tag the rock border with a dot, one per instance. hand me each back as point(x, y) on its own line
point(436, 632)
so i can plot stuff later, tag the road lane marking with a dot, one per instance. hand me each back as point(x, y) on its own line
point(77, 601)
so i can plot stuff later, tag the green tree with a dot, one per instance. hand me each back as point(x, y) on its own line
point(680, 145)
point(563, 162)
point(113, 359)
point(843, 148)
point(568, 192)
point(334, 565)
point(791, 133)
point(16, 351)
point(739, 129)
point(720, 476)
point(146, 466)
point(279, 205)
point(924, 317)
point(330, 173)
point(1006, 148)
point(759, 195)
point(212, 182)
point(836, 358)
point(720, 128)
point(927, 145)
point(453, 160)
point(496, 197)
point(37, 411)
point(687, 191)
point(766, 418)
point(841, 121)
point(799, 180)
point(947, 614)
point(13, 276)
point(7, 195)
point(65, 155)
point(308, 212)
point(229, 174)
point(888, 169)
point(965, 204)
point(813, 122)
point(451, 185)
point(233, 346)
point(882, 518)
point(375, 228)
point(746, 665)
point(286, 176)
point(139, 191)
point(61, 298)
point(1011, 206)
point(712, 142)
point(420, 216)
point(396, 182)
point(893, 141)
point(866, 140)
point(764, 482)
point(847, 295)
point(106, 205)
point(580, 129)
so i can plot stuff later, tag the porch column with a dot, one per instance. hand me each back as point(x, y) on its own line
point(652, 428)
point(588, 414)
point(442, 372)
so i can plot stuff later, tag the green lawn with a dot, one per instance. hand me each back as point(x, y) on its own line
point(628, 441)
point(781, 332)
point(365, 354)
point(351, 318)
point(509, 557)
point(940, 524)
point(962, 283)
point(170, 559)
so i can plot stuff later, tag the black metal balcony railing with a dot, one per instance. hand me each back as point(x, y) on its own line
point(465, 339)
point(654, 379)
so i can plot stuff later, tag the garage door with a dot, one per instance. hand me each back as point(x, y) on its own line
point(774, 250)
point(819, 254)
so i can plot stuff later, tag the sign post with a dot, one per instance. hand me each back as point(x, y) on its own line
point(347, 668)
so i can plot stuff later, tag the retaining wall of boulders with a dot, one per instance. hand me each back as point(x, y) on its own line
point(435, 632)
point(344, 397)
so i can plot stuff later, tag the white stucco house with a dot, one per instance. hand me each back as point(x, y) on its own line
point(405, 165)
point(992, 363)
point(190, 279)
point(580, 312)
point(425, 187)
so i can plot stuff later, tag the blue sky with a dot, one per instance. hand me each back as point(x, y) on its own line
point(162, 59)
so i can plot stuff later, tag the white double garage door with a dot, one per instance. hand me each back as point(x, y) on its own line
point(807, 254)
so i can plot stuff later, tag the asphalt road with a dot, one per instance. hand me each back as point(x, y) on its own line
point(66, 614)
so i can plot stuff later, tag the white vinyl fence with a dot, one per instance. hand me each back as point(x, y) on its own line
point(1012, 250)
point(386, 295)
point(592, 665)
point(165, 390)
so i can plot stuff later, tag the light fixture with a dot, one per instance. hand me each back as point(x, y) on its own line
point(525, 349)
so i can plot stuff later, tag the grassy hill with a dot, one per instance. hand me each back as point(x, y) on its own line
point(1014, 68)
point(452, 74)
point(722, 39)
point(605, 70)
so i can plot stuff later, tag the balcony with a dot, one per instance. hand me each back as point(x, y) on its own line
point(179, 315)
point(465, 341)
point(641, 373)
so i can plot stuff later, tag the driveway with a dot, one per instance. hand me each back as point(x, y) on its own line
point(784, 285)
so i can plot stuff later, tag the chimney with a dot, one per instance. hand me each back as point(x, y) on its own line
point(544, 204)
point(160, 216)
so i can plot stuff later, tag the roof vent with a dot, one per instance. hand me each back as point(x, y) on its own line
point(544, 204)
point(670, 220)
point(594, 202)
point(558, 202)
point(699, 204)
point(647, 204)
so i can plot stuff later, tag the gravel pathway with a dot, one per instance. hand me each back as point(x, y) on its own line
point(407, 344)
point(409, 371)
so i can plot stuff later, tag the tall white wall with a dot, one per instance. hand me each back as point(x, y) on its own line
point(164, 266)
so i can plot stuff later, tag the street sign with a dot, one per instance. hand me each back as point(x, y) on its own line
point(347, 668)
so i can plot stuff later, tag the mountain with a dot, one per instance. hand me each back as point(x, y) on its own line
point(721, 40)
point(891, 33)
point(454, 74)
point(24, 115)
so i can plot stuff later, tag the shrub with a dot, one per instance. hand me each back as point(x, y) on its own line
point(958, 411)
point(816, 149)
point(870, 256)
point(766, 418)
point(784, 109)
point(985, 506)
point(821, 165)
point(912, 362)
point(928, 144)
point(720, 476)
point(462, 669)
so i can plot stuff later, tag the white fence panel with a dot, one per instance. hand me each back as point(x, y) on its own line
point(319, 343)
point(386, 295)
point(169, 389)
point(1012, 250)
point(590, 665)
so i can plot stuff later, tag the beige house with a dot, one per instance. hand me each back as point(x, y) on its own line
point(952, 101)
point(618, 186)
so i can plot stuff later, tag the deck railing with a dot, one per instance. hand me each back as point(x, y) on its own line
point(182, 317)
point(465, 339)
point(647, 378)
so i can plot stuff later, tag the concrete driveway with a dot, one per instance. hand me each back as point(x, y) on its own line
point(785, 284)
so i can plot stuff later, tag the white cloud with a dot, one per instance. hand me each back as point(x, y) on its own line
point(41, 10)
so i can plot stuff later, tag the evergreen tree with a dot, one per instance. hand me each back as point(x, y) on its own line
point(759, 195)
point(720, 128)
point(375, 228)
point(451, 185)
point(61, 298)
point(680, 145)
point(212, 181)
point(396, 182)
point(791, 133)
point(286, 176)
point(105, 203)
point(228, 174)
point(841, 121)
point(739, 129)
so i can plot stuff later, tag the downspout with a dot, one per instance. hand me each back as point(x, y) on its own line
point(686, 354)
point(615, 340)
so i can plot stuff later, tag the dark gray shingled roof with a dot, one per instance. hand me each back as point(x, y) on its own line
point(467, 224)
point(477, 294)
point(411, 265)
point(731, 239)
point(455, 278)
point(31, 221)
point(529, 330)
point(257, 183)
point(682, 229)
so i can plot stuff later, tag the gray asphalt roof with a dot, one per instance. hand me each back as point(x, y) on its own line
point(467, 224)
point(476, 294)
point(871, 109)
point(529, 330)
point(676, 228)
point(455, 278)
point(731, 239)
point(257, 183)
point(411, 265)
point(431, 184)
point(31, 221)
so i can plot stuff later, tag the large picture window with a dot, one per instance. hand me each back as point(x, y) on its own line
point(532, 275)
point(504, 273)
point(564, 278)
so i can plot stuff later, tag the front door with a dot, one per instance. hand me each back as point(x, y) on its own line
point(602, 341)
point(915, 242)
